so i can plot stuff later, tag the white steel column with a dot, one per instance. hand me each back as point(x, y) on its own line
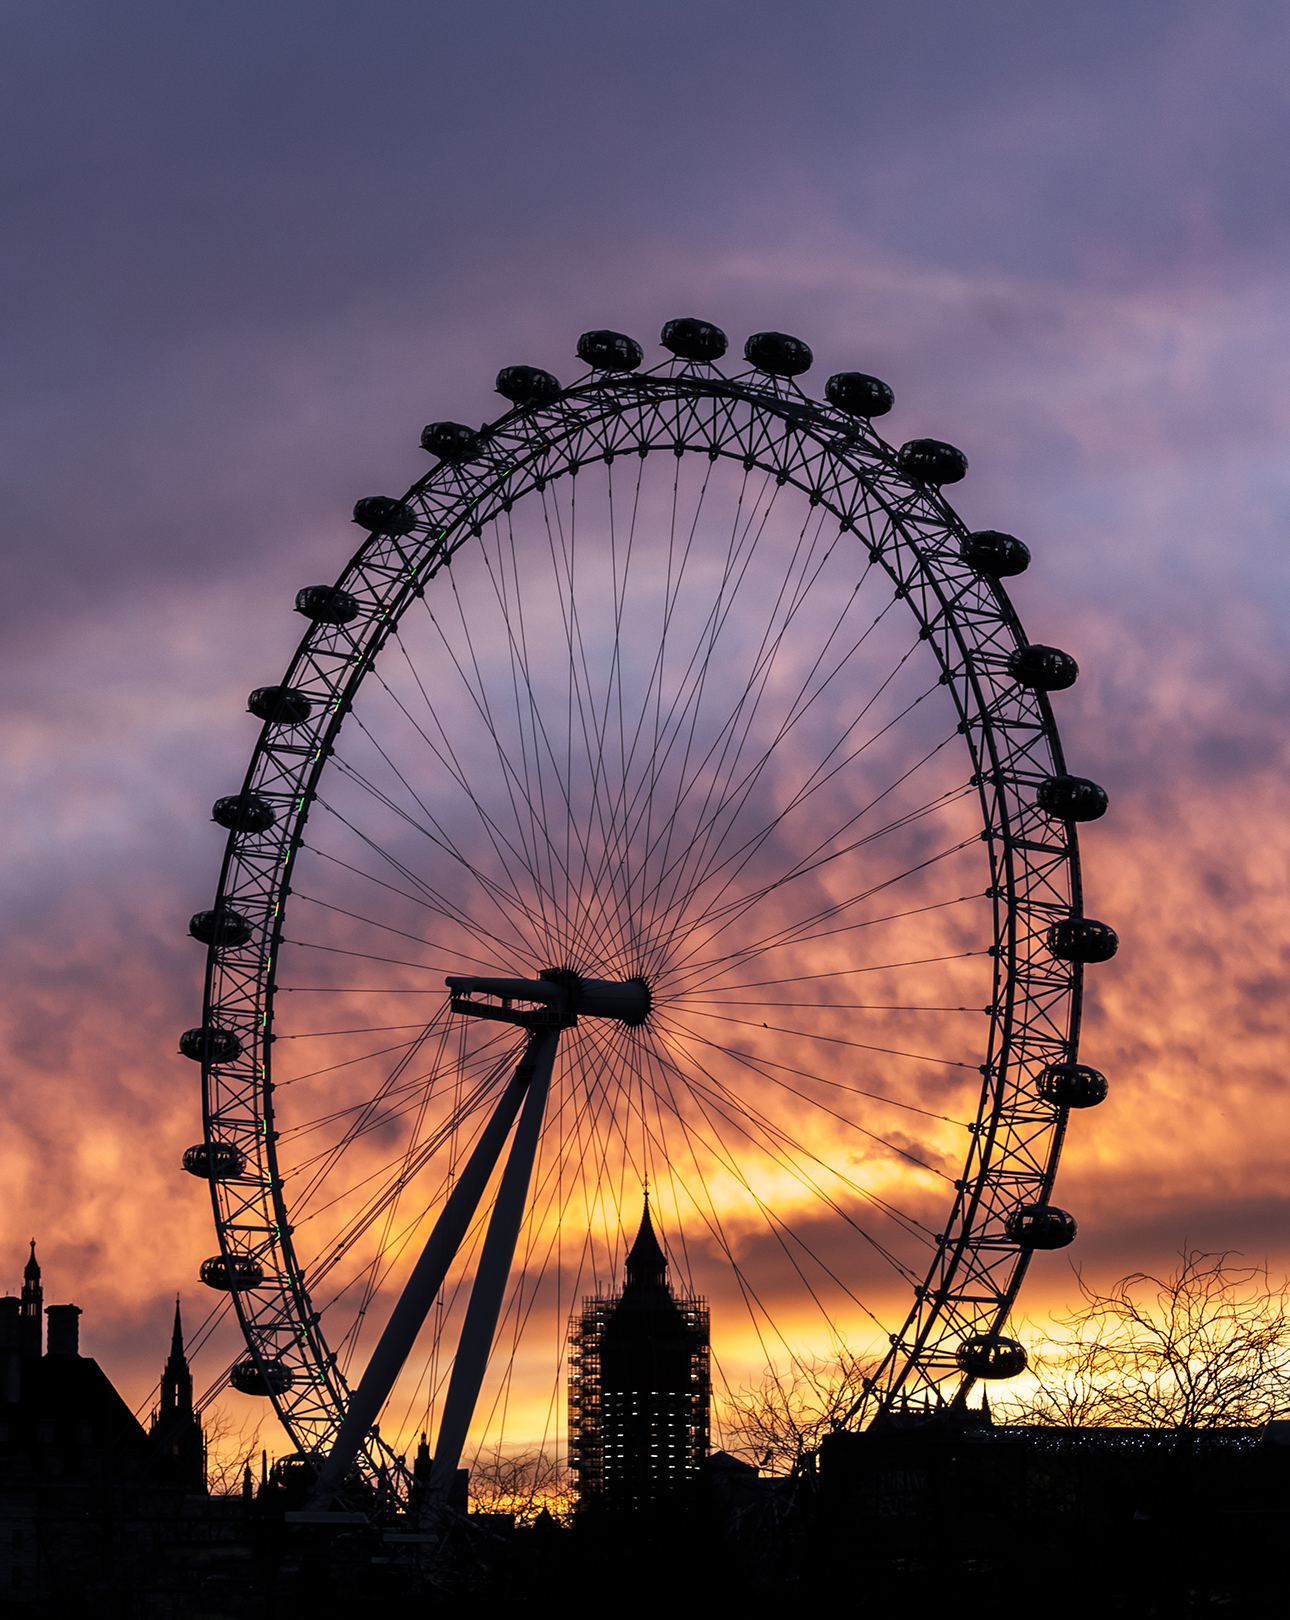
point(422, 1286)
point(486, 1296)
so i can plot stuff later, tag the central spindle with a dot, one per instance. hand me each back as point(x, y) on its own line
point(556, 999)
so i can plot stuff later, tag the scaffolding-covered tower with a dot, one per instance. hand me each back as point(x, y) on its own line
point(640, 1389)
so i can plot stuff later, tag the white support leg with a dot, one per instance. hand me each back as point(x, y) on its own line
point(494, 1268)
point(423, 1285)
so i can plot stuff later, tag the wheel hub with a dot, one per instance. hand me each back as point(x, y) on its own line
point(556, 1000)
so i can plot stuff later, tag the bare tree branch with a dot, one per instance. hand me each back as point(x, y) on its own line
point(779, 1422)
point(522, 1484)
point(230, 1448)
point(1206, 1347)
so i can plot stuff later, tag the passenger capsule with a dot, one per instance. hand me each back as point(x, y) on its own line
point(211, 1044)
point(610, 351)
point(244, 812)
point(998, 556)
point(327, 604)
point(214, 1161)
point(689, 339)
point(931, 461)
point(223, 929)
point(990, 1355)
point(232, 1276)
point(526, 385)
point(279, 705)
point(1073, 1085)
point(248, 1379)
point(859, 394)
point(447, 439)
point(1071, 798)
point(1042, 669)
point(1083, 939)
point(382, 514)
point(777, 354)
point(1040, 1226)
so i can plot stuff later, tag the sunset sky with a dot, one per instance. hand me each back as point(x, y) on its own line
point(252, 249)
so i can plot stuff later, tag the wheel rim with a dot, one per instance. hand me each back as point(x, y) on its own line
point(680, 878)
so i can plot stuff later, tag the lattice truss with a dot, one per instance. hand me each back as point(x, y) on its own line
point(909, 531)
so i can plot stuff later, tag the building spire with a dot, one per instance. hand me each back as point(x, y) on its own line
point(32, 1309)
point(176, 1380)
point(646, 1262)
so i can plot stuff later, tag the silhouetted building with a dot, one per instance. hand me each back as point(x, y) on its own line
point(66, 1439)
point(1096, 1520)
point(176, 1430)
point(640, 1389)
point(87, 1497)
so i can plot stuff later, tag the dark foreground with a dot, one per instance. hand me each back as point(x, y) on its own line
point(1109, 1522)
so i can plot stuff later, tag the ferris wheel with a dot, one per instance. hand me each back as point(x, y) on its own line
point(665, 790)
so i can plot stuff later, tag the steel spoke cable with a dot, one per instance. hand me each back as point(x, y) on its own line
point(368, 1115)
point(748, 705)
point(366, 1029)
point(608, 841)
point(497, 891)
point(721, 744)
point(481, 961)
point(815, 860)
point(750, 1061)
point(792, 936)
point(578, 699)
point(759, 948)
point(837, 1040)
point(690, 1002)
point(411, 1162)
point(914, 1228)
point(743, 702)
point(812, 862)
point(747, 1112)
point(479, 693)
point(838, 1085)
point(668, 1065)
point(497, 838)
point(534, 742)
point(868, 967)
point(452, 913)
point(363, 1109)
point(695, 678)
point(542, 748)
point(712, 1220)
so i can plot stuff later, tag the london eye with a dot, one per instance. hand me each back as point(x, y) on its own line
point(665, 790)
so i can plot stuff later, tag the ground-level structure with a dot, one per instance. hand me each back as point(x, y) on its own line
point(640, 1387)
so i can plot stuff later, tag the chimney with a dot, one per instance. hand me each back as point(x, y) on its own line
point(10, 1359)
point(64, 1330)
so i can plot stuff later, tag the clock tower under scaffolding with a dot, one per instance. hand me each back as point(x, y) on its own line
point(640, 1389)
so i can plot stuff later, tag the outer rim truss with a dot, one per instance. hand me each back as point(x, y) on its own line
point(912, 532)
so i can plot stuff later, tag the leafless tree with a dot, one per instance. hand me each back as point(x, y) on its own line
point(1206, 1347)
point(779, 1422)
point(521, 1483)
point(230, 1447)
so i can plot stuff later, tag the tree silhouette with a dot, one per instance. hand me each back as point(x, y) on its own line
point(230, 1448)
point(521, 1483)
point(1206, 1347)
point(779, 1422)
